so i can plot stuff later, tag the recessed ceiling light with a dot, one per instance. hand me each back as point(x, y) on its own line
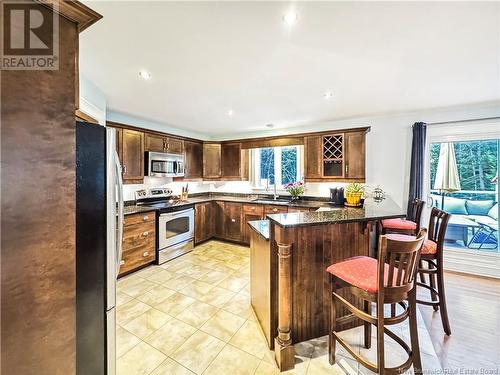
point(230, 113)
point(328, 95)
point(269, 125)
point(144, 74)
point(290, 18)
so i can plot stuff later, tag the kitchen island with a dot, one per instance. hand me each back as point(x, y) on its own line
point(290, 290)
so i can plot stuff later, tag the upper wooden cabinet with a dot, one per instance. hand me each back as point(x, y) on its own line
point(335, 157)
point(355, 155)
point(158, 143)
point(212, 160)
point(193, 155)
point(132, 156)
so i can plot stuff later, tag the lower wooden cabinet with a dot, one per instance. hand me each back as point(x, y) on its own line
point(232, 218)
point(204, 222)
point(250, 213)
point(275, 209)
point(139, 242)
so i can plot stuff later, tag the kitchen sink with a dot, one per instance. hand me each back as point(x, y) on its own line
point(271, 201)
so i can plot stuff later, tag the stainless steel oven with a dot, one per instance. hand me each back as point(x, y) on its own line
point(159, 164)
point(175, 234)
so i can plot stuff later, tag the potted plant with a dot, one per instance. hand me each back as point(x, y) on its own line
point(353, 193)
point(295, 189)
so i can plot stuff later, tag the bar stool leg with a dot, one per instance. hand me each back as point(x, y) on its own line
point(380, 337)
point(415, 349)
point(432, 280)
point(442, 299)
point(368, 326)
point(333, 326)
point(421, 274)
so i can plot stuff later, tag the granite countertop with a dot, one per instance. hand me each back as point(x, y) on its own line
point(371, 210)
point(261, 227)
point(134, 209)
point(307, 202)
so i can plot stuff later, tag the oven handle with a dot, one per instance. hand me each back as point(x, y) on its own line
point(177, 213)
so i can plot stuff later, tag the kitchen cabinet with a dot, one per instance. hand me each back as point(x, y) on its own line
point(159, 143)
point(219, 218)
point(232, 218)
point(335, 157)
point(193, 155)
point(275, 209)
point(139, 242)
point(204, 222)
point(212, 160)
point(231, 160)
point(132, 156)
point(355, 155)
point(312, 152)
point(292, 210)
point(250, 213)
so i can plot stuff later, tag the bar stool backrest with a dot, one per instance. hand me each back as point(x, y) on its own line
point(438, 222)
point(398, 259)
point(418, 207)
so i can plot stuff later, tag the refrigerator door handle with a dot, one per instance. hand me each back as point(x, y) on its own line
point(121, 217)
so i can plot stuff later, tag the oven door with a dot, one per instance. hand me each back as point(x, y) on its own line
point(175, 227)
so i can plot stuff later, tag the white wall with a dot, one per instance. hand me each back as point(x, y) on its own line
point(388, 150)
point(92, 100)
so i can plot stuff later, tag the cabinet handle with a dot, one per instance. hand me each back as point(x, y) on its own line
point(253, 208)
point(145, 218)
point(145, 254)
point(346, 170)
point(124, 169)
point(275, 210)
point(145, 234)
point(168, 146)
point(122, 262)
point(233, 220)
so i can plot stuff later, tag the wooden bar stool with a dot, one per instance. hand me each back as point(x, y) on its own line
point(410, 226)
point(388, 280)
point(432, 254)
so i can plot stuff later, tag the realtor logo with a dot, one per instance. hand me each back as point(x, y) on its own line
point(30, 36)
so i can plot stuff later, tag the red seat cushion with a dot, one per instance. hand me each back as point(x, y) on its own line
point(429, 246)
point(401, 224)
point(361, 272)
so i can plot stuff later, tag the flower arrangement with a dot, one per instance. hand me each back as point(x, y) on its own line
point(353, 193)
point(296, 189)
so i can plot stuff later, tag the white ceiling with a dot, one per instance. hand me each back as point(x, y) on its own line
point(208, 57)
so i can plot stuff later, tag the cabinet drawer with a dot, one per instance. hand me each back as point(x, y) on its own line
point(140, 218)
point(137, 257)
point(270, 209)
point(138, 235)
point(300, 209)
point(256, 209)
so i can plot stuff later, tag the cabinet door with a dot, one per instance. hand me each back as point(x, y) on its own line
point(193, 152)
point(154, 143)
point(204, 222)
point(212, 160)
point(133, 155)
point(246, 228)
point(119, 143)
point(219, 216)
point(313, 150)
point(233, 220)
point(174, 146)
point(231, 160)
point(355, 159)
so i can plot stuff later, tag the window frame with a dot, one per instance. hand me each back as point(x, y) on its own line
point(255, 167)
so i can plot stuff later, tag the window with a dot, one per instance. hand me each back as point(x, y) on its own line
point(277, 165)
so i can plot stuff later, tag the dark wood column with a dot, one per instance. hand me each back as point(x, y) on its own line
point(38, 211)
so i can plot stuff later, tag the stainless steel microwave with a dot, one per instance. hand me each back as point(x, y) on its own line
point(159, 164)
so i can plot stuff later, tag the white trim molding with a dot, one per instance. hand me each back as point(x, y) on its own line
point(474, 262)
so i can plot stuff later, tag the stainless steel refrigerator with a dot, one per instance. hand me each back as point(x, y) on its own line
point(99, 232)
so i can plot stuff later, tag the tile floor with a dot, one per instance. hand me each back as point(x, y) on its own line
point(193, 316)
